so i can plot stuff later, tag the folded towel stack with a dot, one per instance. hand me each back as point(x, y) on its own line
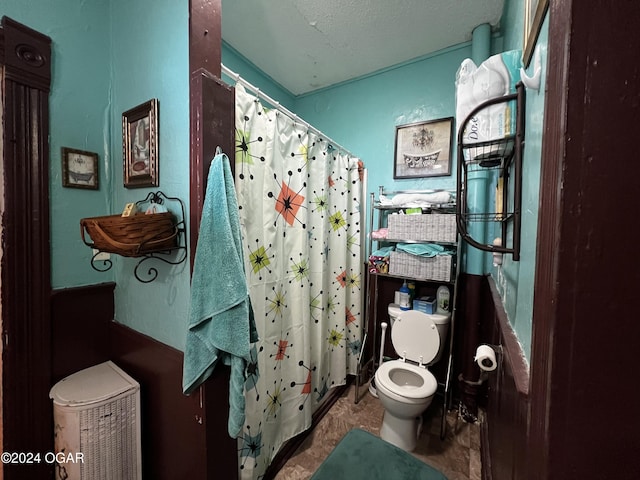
point(417, 199)
point(424, 249)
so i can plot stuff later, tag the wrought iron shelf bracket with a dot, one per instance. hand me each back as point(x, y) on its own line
point(504, 157)
point(149, 258)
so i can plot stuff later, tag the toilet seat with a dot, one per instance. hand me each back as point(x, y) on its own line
point(415, 337)
point(425, 386)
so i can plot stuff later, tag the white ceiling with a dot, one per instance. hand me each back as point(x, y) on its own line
point(305, 45)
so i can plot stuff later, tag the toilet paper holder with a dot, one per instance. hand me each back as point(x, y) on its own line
point(484, 372)
point(487, 356)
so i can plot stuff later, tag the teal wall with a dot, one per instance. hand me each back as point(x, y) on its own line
point(80, 104)
point(150, 59)
point(362, 115)
point(107, 57)
point(515, 280)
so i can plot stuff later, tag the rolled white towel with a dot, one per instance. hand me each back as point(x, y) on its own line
point(421, 199)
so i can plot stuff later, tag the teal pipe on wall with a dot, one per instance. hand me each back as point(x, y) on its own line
point(481, 43)
point(478, 182)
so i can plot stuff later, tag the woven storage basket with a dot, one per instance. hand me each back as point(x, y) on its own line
point(434, 227)
point(130, 236)
point(437, 268)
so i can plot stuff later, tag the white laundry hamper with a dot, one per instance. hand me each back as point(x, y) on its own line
point(96, 414)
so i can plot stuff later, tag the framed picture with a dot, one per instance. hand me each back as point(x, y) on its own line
point(423, 149)
point(140, 145)
point(79, 169)
point(534, 12)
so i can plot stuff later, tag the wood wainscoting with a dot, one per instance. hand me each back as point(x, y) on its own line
point(182, 436)
point(504, 433)
point(80, 319)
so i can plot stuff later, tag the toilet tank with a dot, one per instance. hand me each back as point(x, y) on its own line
point(440, 320)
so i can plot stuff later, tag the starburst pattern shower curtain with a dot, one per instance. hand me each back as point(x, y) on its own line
point(299, 201)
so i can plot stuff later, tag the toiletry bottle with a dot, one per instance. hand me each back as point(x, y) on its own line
point(412, 292)
point(442, 297)
point(404, 296)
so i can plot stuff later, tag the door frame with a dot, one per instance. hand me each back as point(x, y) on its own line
point(25, 264)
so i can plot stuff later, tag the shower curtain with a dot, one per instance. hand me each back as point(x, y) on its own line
point(299, 200)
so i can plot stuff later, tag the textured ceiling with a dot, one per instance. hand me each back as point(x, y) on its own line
point(305, 45)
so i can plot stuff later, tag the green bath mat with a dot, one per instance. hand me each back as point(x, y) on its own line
point(363, 456)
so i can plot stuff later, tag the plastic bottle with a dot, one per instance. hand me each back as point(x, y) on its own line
point(404, 297)
point(442, 298)
point(412, 292)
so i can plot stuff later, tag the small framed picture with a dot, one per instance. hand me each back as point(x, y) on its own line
point(423, 149)
point(534, 12)
point(140, 145)
point(79, 169)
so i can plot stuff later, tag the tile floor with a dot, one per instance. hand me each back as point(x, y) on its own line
point(457, 456)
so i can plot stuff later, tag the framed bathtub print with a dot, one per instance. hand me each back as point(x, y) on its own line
point(423, 149)
point(534, 12)
point(79, 169)
point(140, 145)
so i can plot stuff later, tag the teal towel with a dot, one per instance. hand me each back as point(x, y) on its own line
point(221, 323)
point(383, 252)
point(423, 249)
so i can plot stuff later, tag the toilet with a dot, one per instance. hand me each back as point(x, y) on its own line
point(405, 386)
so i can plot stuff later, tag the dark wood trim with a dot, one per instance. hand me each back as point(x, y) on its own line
point(586, 250)
point(26, 55)
point(551, 217)
point(504, 433)
point(205, 36)
point(174, 427)
point(485, 452)
point(221, 458)
point(209, 110)
point(548, 236)
point(212, 125)
point(511, 349)
point(26, 284)
point(80, 318)
point(468, 320)
point(211, 117)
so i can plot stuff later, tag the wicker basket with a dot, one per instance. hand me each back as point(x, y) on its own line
point(130, 236)
point(433, 227)
point(438, 268)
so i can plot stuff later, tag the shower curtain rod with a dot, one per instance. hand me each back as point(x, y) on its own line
point(238, 79)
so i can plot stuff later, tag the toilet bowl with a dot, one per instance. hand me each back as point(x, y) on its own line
point(405, 386)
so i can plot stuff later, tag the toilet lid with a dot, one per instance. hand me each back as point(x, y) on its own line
point(415, 337)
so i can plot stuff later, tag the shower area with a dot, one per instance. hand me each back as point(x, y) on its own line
point(300, 197)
